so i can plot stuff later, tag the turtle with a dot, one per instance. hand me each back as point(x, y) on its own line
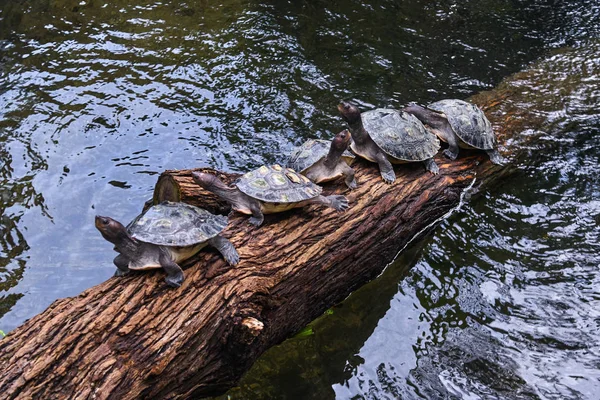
point(460, 124)
point(324, 160)
point(267, 190)
point(387, 136)
point(163, 236)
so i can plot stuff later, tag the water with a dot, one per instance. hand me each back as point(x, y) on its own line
point(98, 98)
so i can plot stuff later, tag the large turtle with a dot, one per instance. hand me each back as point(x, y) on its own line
point(460, 124)
point(387, 136)
point(163, 236)
point(269, 189)
point(323, 160)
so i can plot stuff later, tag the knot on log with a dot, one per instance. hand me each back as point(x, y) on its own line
point(250, 329)
point(244, 333)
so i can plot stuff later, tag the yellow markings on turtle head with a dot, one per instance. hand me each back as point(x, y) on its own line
point(277, 167)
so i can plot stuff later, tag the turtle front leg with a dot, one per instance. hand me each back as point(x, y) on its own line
point(226, 248)
point(247, 205)
point(174, 272)
point(431, 166)
point(385, 168)
point(349, 178)
point(122, 264)
point(257, 217)
point(338, 202)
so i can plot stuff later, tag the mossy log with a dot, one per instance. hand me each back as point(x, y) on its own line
point(133, 337)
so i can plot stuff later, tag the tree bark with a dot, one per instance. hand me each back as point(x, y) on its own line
point(133, 337)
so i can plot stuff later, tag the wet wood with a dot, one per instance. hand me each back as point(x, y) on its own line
point(133, 337)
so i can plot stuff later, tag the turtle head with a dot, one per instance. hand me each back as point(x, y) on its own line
point(112, 230)
point(433, 118)
point(341, 141)
point(213, 184)
point(208, 181)
point(350, 113)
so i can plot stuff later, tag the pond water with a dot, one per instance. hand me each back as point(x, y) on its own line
point(97, 98)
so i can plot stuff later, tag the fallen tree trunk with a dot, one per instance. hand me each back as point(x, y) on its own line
point(133, 337)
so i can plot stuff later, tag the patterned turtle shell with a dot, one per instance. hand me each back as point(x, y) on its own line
point(311, 152)
point(176, 224)
point(468, 122)
point(400, 134)
point(275, 184)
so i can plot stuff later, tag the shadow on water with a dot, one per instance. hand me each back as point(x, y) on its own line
point(97, 98)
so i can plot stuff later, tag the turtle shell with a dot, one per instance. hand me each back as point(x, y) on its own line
point(275, 184)
point(176, 224)
point(400, 134)
point(468, 122)
point(311, 152)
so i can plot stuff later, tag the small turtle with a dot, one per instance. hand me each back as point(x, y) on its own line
point(323, 161)
point(163, 236)
point(460, 124)
point(388, 136)
point(267, 190)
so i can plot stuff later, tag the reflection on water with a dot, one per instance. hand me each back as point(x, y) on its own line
point(97, 98)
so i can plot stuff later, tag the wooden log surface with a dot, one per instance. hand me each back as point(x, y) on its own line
point(133, 337)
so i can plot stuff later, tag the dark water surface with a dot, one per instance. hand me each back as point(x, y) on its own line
point(98, 97)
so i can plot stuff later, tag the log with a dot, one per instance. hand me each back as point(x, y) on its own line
point(133, 337)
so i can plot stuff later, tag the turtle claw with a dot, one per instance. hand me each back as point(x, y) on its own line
point(120, 272)
point(449, 154)
point(352, 185)
point(175, 280)
point(339, 202)
point(388, 177)
point(431, 166)
point(232, 257)
point(495, 157)
point(256, 221)
point(226, 248)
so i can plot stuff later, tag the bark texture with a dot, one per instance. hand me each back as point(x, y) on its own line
point(133, 337)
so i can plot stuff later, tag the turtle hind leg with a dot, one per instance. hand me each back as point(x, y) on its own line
point(338, 202)
point(122, 264)
point(495, 157)
point(226, 248)
point(174, 272)
point(431, 166)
